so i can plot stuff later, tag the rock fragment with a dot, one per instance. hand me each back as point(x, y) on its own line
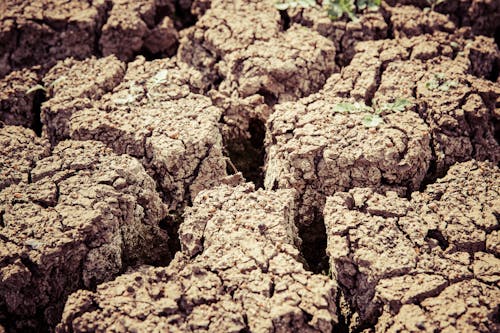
point(86, 215)
point(243, 274)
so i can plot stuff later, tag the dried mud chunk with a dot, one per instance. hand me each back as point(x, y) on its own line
point(344, 33)
point(75, 85)
point(16, 104)
point(21, 149)
point(391, 254)
point(131, 26)
point(468, 306)
point(243, 275)
point(293, 65)
point(463, 126)
point(318, 151)
point(43, 32)
point(177, 141)
point(86, 216)
point(220, 32)
point(409, 21)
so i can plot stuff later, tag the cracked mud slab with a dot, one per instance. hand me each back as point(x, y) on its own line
point(16, 104)
point(421, 264)
point(238, 271)
point(154, 114)
point(85, 215)
point(21, 149)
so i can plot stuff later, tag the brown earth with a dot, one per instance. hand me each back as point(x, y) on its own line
point(130, 130)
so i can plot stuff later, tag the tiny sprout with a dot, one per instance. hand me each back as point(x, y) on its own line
point(399, 105)
point(434, 3)
point(439, 82)
point(350, 107)
point(372, 120)
point(36, 88)
point(454, 45)
point(286, 4)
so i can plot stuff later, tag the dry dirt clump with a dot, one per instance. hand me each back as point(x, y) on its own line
point(134, 26)
point(318, 151)
point(344, 33)
point(85, 215)
point(16, 104)
point(155, 114)
point(421, 264)
point(442, 83)
point(239, 272)
point(75, 85)
point(42, 32)
point(410, 21)
point(21, 149)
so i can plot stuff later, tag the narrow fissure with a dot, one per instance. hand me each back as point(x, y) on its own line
point(36, 125)
point(247, 154)
point(285, 20)
point(313, 247)
point(343, 311)
point(171, 224)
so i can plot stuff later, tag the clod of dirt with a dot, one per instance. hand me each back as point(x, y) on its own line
point(243, 276)
point(85, 217)
point(132, 26)
point(292, 65)
point(344, 33)
point(34, 32)
point(16, 104)
point(318, 152)
point(410, 21)
point(21, 149)
point(458, 108)
point(154, 115)
point(76, 85)
point(221, 31)
point(398, 259)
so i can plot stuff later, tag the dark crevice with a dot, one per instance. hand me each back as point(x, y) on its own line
point(437, 235)
point(171, 225)
point(313, 246)
point(247, 154)
point(493, 76)
point(285, 20)
point(269, 98)
point(2, 223)
point(183, 18)
point(36, 125)
point(342, 313)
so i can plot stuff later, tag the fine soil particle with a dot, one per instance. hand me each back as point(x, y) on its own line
point(402, 263)
point(228, 285)
point(85, 216)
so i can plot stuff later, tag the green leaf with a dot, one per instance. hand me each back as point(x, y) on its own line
point(36, 88)
point(371, 120)
point(399, 105)
point(350, 108)
point(282, 6)
point(432, 84)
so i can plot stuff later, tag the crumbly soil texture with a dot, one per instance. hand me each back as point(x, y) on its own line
point(228, 166)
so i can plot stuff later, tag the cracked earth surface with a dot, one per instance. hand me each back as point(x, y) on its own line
point(223, 166)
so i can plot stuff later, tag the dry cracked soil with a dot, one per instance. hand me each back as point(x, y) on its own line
point(225, 166)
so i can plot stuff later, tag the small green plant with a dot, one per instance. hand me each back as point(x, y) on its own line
point(372, 117)
point(43, 88)
point(286, 4)
point(439, 82)
point(434, 3)
point(335, 9)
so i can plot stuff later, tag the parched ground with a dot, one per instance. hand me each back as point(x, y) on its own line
point(225, 166)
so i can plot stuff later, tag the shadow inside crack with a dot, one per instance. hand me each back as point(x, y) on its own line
point(247, 154)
